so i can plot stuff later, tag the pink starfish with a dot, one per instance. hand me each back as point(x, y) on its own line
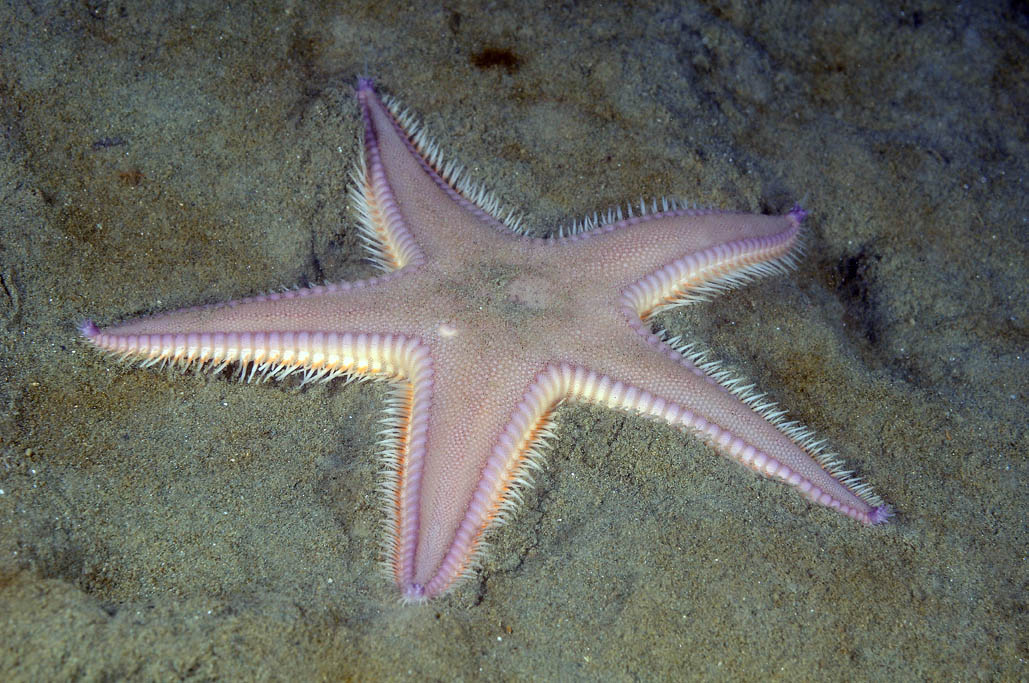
point(484, 332)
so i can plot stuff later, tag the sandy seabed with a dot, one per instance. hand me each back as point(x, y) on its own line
point(156, 526)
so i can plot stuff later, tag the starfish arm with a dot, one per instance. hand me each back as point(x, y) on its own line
point(418, 196)
point(324, 331)
point(479, 464)
point(384, 230)
point(670, 387)
point(681, 249)
point(319, 355)
point(355, 305)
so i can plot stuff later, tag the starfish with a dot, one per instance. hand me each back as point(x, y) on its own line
point(483, 331)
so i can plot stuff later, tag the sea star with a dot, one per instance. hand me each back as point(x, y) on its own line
point(484, 331)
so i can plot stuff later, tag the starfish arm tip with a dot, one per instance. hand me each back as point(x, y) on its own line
point(88, 329)
point(797, 214)
point(880, 515)
point(414, 594)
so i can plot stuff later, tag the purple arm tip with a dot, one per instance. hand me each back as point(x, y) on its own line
point(365, 83)
point(881, 514)
point(88, 329)
point(797, 214)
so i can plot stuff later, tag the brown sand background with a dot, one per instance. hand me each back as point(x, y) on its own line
point(157, 526)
